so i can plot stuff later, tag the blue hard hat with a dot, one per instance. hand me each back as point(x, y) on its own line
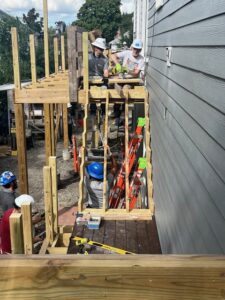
point(96, 170)
point(7, 177)
point(137, 44)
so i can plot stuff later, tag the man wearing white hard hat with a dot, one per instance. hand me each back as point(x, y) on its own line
point(98, 63)
point(5, 230)
point(132, 60)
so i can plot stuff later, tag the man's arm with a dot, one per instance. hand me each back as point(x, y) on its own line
point(115, 58)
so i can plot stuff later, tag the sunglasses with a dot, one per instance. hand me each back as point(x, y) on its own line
point(138, 50)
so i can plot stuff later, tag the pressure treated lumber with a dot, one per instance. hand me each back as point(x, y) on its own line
point(48, 204)
point(27, 228)
point(111, 277)
point(53, 165)
point(16, 233)
point(19, 117)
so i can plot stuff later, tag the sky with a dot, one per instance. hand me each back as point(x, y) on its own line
point(59, 10)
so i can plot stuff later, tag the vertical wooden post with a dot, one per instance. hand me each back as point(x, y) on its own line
point(27, 228)
point(33, 59)
point(19, 116)
point(84, 136)
point(127, 151)
point(52, 130)
point(65, 127)
point(48, 204)
point(48, 144)
point(63, 62)
point(85, 60)
point(53, 165)
point(105, 185)
point(16, 233)
point(58, 115)
point(72, 62)
point(56, 54)
point(151, 204)
point(46, 45)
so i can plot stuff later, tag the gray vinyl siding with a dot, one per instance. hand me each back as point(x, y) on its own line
point(188, 123)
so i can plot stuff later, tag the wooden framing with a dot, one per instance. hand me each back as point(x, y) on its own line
point(111, 277)
point(19, 116)
point(27, 228)
point(53, 166)
point(16, 233)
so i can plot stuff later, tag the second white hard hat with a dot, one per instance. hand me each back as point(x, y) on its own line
point(24, 198)
point(100, 43)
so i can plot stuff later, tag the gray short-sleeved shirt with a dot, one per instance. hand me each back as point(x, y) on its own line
point(97, 65)
point(95, 190)
point(7, 198)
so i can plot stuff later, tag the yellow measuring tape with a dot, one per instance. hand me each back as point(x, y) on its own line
point(81, 241)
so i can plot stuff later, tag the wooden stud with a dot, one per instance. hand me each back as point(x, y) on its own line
point(46, 45)
point(97, 121)
point(48, 204)
point(84, 136)
point(44, 247)
point(33, 59)
point(57, 250)
point(16, 233)
point(21, 148)
point(27, 228)
point(52, 123)
point(56, 55)
point(65, 127)
point(19, 116)
point(53, 165)
point(127, 152)
point(105, 183)
point(63, 60)
point(72, 62)
point(15, 51)
point(57, 123)
point(85, 61)
point(48, 143)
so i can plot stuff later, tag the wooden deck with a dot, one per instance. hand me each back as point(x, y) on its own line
point(139, 237)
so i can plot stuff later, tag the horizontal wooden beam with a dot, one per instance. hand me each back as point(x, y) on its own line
point(121, 214)
point(100, 94)
point(42, 95)
point(139, 277)
point(116, 80)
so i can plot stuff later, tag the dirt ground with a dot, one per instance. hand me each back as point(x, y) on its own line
point(68, 188)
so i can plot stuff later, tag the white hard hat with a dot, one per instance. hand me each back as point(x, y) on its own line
point(137, 44)
point(100, 43)
point(24, 199)
point(69, 105)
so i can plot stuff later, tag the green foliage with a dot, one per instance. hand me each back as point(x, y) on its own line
point(6, 70)
point(104, 15)
point(126, 28)
point(33, 20)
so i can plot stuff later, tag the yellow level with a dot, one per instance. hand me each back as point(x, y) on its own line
point(80, 241)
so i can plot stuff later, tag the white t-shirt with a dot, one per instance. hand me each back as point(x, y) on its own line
point(129, 61)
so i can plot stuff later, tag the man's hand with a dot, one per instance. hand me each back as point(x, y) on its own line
point(118, 68)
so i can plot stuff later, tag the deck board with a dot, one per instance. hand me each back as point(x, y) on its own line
point(139, 237)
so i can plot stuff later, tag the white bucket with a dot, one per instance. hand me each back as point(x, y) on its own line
point(66, 154)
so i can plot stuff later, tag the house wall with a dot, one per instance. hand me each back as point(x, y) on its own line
point(140, 22)
point(188, 123)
